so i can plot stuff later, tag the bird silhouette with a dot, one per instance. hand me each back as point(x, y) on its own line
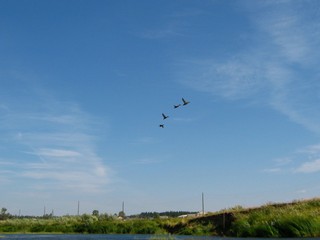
point(164, 116)
point(176, 106)
point(161, 125)
point(185, 102)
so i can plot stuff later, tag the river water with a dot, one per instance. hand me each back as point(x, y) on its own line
point(100, 237)
point(119, 237)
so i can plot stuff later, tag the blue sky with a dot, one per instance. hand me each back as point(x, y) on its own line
point(84, 84)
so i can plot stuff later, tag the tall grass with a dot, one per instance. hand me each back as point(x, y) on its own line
point(292, 220)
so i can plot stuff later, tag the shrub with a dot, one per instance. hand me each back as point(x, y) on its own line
point(241, 228)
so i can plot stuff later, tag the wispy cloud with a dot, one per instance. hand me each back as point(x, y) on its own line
point(279, 67)
point(311, 159)
point(311, 150)
point(302, 191)
point(279, 165)
point(58, 153)
point(292, 27)
point(305, 160)
point(54, 142)
point(309, 167)
point(68, 158)
point(283, 161)
point(272, 170)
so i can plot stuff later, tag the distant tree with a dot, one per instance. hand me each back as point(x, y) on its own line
point(3, 211)
point(122, 214)
point(3, 214)
point(105, 216)
point(95, 213)
point(47, 216)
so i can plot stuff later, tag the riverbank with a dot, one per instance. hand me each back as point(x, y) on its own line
point(296, 219)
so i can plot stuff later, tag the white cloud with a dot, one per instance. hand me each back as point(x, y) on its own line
point(312, 150)
point(59, 153)
point(272, 170)
point(278, 69)
point(293, 27)
point(305, 160)
point(287, 34)
point(302, 191)
point(72, 169)
point(309, 167)
point(283, 161)
point(54, 142)
point(6, 163)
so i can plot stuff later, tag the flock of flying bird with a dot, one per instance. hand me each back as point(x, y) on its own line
point(184, 102)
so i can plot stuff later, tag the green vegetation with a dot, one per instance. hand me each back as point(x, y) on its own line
point(296, 219)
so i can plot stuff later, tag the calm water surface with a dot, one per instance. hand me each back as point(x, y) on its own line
point(99, 237)
point(119, 237)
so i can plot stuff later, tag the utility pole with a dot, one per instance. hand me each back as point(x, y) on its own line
point(202, 204)
point(44, 211)
point(121, 213)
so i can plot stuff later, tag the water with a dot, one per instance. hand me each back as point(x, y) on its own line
point(121, 237)
point(101, 237)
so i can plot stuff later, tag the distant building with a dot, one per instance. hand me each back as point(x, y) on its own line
point(188, 215)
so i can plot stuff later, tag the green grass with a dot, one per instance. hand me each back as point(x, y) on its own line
point(298, 219)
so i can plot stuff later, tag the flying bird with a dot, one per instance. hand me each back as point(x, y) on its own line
point(164, 116)
point(161, 125)
point(185, 102)
point(176, 106)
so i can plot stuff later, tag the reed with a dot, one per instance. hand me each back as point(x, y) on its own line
point(300, 219)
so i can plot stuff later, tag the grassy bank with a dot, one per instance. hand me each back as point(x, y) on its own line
point(297, 219)
point(300, 219)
